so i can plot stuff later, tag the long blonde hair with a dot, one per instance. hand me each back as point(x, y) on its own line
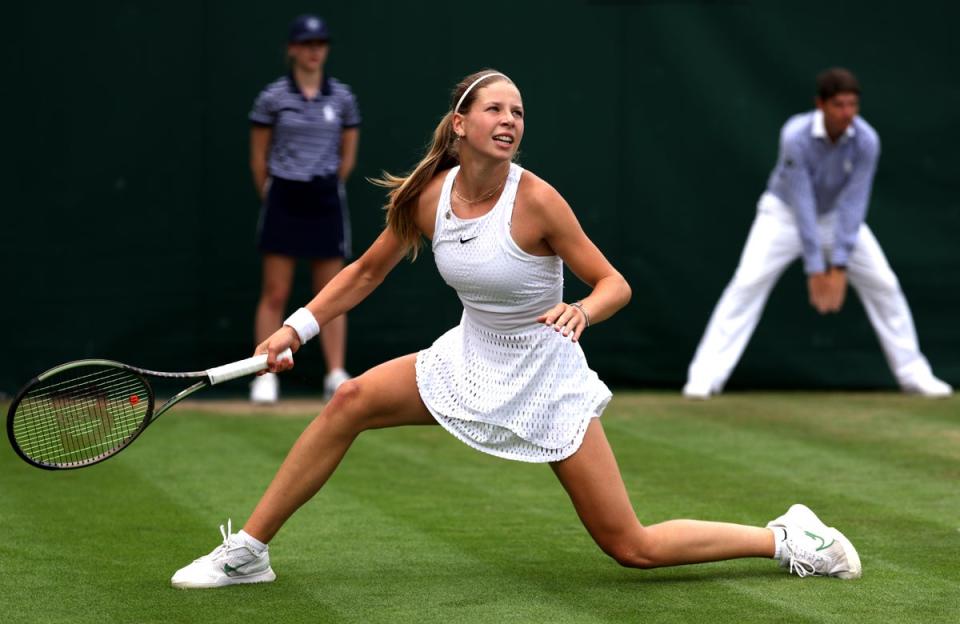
point(442, 154)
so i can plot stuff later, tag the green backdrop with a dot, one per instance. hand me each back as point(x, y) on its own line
point(129, 220)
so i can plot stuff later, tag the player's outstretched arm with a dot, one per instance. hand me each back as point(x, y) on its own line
point(348, 288)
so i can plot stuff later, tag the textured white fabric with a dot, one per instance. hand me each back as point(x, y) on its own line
point(501, 382)
point(500, 285)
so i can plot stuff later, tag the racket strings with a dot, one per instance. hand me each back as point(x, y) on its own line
point(81, 414)
point(83, 426)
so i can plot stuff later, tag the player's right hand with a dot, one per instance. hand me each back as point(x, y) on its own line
point(282, 339)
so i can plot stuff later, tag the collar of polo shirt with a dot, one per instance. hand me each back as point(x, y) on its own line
point(325, 88)
point(819, 129)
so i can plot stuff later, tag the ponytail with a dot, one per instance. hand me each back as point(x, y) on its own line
point(405, 190)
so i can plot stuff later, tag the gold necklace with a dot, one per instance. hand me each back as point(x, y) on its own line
point(479, 199)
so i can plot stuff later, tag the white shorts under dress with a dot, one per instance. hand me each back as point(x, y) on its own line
point(499, 381)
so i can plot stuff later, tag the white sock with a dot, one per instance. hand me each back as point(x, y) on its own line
point(779, 537)
point(255, 545)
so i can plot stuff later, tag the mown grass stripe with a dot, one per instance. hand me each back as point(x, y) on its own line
point(415, 527)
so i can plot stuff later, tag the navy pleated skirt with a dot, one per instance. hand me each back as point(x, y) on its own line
point(305, 219)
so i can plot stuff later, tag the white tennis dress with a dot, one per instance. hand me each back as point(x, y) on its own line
point(500, 381)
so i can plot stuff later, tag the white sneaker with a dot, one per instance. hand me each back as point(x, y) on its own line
point(230, 563)
point(265, 389)
point(929, 387)
point(332, 381)
point(813, 548)
point(697, 391)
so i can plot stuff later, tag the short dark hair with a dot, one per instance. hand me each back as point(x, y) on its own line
point(836, 80)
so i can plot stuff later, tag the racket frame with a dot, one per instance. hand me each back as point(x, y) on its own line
point(207, 378)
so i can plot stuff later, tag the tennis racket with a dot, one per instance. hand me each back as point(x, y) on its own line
point(83, 412)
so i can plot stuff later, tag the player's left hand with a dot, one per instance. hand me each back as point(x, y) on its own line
point(566, 319)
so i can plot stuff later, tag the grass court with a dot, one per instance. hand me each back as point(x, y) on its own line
point(416, 527)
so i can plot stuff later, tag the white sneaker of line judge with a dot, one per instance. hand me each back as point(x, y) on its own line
point(696, 390)
point(265, 389)
point(332, 381)
point(929, 387)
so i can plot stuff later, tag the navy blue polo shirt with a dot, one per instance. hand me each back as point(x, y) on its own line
point(306, 133)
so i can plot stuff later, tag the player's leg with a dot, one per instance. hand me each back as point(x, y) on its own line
point(773, 243)
point(592, 479)
point(333, 335)
point(385, 396)
point(874, 281)
point(798, 539)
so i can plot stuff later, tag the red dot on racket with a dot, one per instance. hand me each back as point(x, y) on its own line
point(134, 399)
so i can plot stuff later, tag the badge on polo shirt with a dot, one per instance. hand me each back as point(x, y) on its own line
point(328, 113)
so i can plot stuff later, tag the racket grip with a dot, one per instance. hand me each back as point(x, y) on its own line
point(242, 368)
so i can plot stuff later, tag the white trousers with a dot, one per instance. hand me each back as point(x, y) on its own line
point(773, 244)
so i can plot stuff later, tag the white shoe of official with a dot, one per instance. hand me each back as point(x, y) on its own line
point(332, 381)
point(265, 389)
point(811, 548)
point(697, 391)
point(929, 387)
point(231, 563)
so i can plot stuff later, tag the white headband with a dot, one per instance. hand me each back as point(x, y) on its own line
point(472, 85)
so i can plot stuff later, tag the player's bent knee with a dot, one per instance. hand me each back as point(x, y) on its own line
point(349, 407)
point(629, 556)
point(348, 392)
point(630, 551)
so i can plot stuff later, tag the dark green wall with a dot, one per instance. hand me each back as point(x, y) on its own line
point(128, 225)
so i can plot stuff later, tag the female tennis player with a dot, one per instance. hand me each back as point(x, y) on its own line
point(511, 379)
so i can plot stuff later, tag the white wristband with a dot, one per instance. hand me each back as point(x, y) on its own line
point(304, 323)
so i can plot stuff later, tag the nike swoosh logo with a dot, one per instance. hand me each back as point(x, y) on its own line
point(823, 542)
point(229, 570)
point(466, 240)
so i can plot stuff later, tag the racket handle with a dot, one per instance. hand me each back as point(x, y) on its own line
point(242, 368)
